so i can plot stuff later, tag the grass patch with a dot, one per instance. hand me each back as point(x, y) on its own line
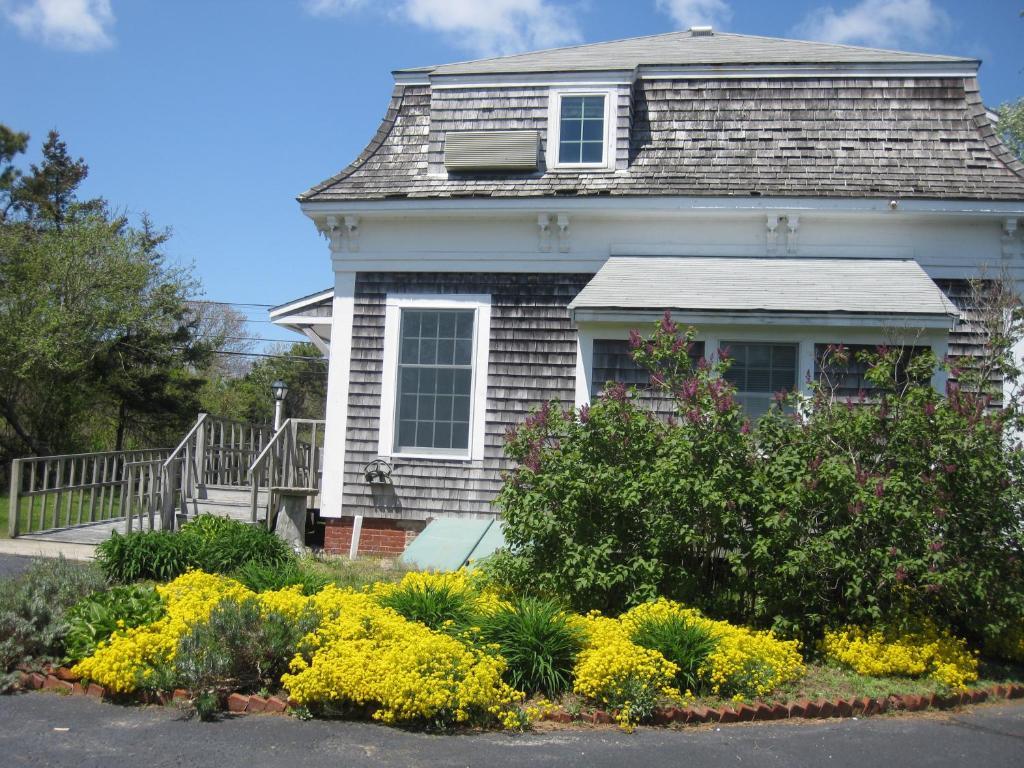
point(829, 681)
point(356, 574)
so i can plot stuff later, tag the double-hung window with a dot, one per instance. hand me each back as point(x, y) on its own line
point(581, 128)
point(435, 373)
point(759, 370)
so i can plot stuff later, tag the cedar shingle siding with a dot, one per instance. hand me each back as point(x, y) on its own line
point(532, 360)
point(839, 137)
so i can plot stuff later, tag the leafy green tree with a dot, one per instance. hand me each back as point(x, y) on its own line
point(249, 397)
point(1011, 126)
point(97, 343)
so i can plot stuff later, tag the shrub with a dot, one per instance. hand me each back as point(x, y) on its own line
point(208, 543)
point(826, 512)
point(611, 505)
point(911, 651)
point(903, 506)
point(683, 642)
point(221, 545)
point(538, 641)
point(365, 655)
point(34, 607)
point(241, 646)
point(262, 577)
point(445, 600)
point(156, 555)
point(96, 618)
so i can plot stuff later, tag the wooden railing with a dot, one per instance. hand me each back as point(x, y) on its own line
point(142, 495)
point(293, 458)
point(74, 489)
point(216, 451)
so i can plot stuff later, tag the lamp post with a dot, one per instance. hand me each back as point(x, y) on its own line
point(280, 390)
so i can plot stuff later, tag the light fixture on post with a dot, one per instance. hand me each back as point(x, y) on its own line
point(280, 390)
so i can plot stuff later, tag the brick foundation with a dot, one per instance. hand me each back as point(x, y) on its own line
point(379, 536)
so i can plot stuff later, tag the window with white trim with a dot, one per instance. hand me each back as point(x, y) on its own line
point(435, 376)
point(759, 370)
point(581, 130)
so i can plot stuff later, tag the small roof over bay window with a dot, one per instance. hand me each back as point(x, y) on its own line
point(847, 292)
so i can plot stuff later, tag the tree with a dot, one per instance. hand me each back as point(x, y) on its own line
point(1011, 126)
point(98, 344)
point(249, 397)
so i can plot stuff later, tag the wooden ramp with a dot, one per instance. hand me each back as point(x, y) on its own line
point(91, 533)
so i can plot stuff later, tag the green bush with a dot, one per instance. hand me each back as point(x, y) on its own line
point(431, 604)
point(239, 648)
point(901, 504)
point(538, 640)
point(261, 577)
point(683, 643)
point(97, 617)
point(612, 506)
point(208, 543)
point(34, 607)
point(156, 555)
point(220, 544)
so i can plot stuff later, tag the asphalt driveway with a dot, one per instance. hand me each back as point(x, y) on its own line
point(45, 729)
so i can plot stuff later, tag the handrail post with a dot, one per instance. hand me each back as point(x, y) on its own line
point(200, 457)
point(167, 482)
point(14, 515)
point(126, 496)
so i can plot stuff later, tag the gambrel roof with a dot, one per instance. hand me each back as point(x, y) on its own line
point(694, 130)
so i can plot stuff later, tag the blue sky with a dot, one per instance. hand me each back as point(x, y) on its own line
point(213, 114)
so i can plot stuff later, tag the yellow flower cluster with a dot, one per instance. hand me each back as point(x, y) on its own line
point(127, 660)
point(618, 673)
point(744, 663)
point(367, 655)
point(927, 651)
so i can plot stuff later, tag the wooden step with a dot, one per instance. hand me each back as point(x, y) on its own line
point(230, 493)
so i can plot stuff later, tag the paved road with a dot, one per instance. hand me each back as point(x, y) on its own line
point(11, 565)
point(108, 736)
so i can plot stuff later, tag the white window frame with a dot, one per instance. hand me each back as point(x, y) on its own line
point(555, 126)
point(394, 304)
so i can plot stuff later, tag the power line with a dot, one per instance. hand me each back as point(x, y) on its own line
point(232, 303)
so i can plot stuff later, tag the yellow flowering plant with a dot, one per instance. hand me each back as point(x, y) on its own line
point(921, 651)
point(368, 656)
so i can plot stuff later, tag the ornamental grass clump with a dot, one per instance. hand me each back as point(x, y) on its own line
point(742, 663)
point(921, 650)
point(682, 641)
point(539, 642)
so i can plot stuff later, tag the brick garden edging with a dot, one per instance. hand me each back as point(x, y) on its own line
point(63, 681)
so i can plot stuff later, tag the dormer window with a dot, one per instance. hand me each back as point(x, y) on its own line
point(581, 130)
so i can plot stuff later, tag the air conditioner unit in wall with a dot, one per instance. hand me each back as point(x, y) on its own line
point(491, 150)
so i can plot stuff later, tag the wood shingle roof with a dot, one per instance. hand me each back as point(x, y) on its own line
point(923, 136)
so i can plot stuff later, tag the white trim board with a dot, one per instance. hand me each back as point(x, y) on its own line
point(394, 304)
point(655, 204)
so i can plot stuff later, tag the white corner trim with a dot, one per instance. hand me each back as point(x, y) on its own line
point(611, 113)
point(394, 304)
point(338, 374)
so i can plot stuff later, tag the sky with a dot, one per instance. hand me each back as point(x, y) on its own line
point(212, 115)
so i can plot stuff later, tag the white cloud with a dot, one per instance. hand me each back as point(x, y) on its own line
point(696, 13)
point(77, 25)
point(881, 23)
point(332, 7)
point(485, 27)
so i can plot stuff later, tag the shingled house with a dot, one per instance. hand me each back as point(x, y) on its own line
point(514, 217)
